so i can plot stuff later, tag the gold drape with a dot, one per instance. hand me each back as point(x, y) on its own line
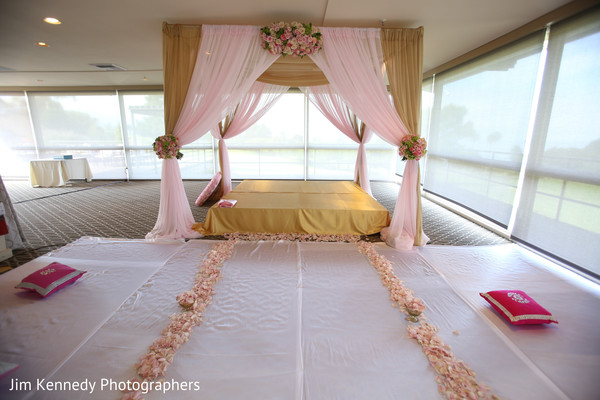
point(359, 130)
point(403, 56)
point(223, 127)
point(294, 72)
point(180, 48)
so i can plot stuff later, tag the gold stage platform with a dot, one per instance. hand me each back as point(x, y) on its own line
point(320, 207)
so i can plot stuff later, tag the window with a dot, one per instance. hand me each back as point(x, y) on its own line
point(559, 209)
point(479, 122)
point(143, 116)
point(515, 137)
point(17, 144)
point(332, 155)
point(272, 148)
point(80, 124)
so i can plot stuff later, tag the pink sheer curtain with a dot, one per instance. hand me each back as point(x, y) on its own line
point(229, 61)
point(352, 61)
point(259, 99)
point(333, 107)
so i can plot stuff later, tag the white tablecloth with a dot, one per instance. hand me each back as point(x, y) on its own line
point(50, 173)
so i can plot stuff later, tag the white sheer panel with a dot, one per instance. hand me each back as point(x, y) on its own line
point(81, 124)
point(331, 154)
point(381, 159)
point(274, 146)
point(252, 107)
point(142, 114)
point(478, 129)
point(426, 108)
point(17, 144)
point(560, 205)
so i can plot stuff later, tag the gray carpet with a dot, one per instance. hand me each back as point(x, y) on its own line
point(52, 217)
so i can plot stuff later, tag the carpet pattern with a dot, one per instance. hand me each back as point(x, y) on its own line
point(53, 217)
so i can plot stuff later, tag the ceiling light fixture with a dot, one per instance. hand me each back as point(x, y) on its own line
point(42, 44)
point(52, 20)
point(108, 67)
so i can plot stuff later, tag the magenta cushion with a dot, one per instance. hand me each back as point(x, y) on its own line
point(50, 279)
point(209, 189)
point(6, 368)
point(518, 308)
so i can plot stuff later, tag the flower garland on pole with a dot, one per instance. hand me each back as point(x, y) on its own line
point(167, 146)
point(296, 39)
point(412, 147)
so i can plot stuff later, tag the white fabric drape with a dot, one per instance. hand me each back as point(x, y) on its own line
point(229, 61)
point(352, 61)
point(333, 107)
point(259, 99)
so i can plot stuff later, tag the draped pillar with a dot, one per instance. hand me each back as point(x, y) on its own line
point(352, 60)
point(227, 63)
point(403, 57)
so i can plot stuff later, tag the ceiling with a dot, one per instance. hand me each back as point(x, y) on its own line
point(128, 32)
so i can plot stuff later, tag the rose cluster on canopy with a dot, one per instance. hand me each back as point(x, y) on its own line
point(296, 39)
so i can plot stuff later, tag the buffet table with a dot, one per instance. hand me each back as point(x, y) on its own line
point(52, 173)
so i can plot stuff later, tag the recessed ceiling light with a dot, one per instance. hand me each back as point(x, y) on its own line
point(43, 44)
point(52, 20)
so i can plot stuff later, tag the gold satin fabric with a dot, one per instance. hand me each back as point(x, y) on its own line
point(294, 72)
point(403, 57)
point(275, 186)
point(180, 49)
point(298, 207)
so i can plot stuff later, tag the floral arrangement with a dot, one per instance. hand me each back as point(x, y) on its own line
point(293, 237)
point(414, 307)
point(296, 39)
point(412, 147)
point(167, 146)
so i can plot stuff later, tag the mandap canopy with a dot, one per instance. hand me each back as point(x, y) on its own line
point(219, 78)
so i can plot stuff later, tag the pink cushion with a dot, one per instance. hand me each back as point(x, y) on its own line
point(517, 307)
point(50, 279)
point(6, 368)
point(209, 189)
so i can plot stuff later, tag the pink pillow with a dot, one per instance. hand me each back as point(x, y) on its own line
point(6, 368)
point(209, 189)
point(49, 279)
point(518, 308)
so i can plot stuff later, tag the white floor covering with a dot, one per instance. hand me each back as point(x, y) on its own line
point(296, 320)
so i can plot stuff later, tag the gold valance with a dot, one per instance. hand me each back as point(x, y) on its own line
point(295, 72)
